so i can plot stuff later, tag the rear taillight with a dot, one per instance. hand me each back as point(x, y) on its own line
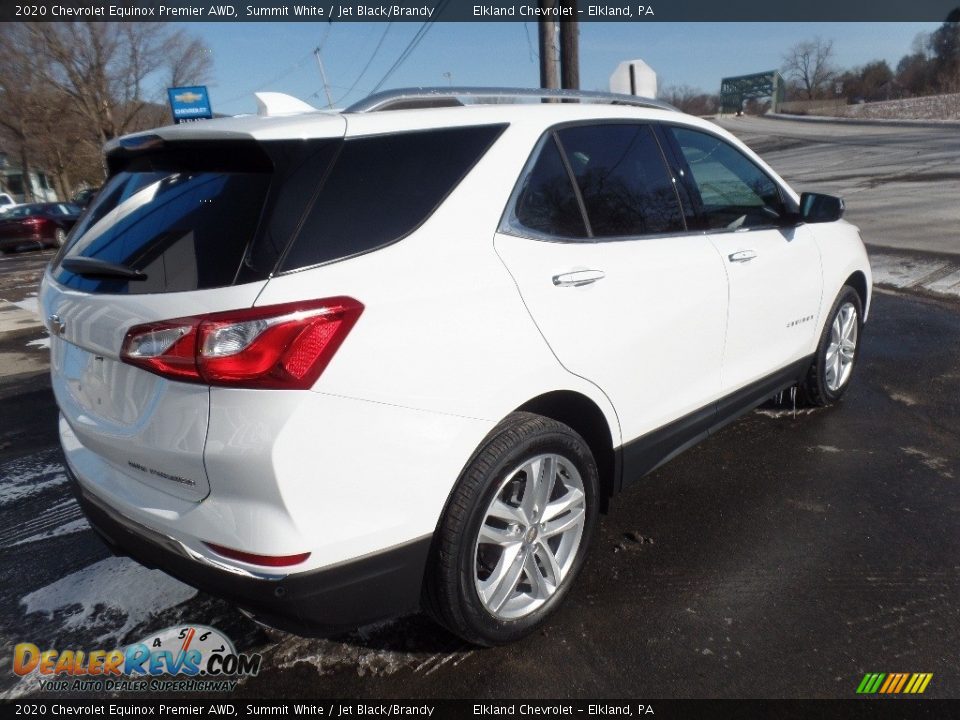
point(33, 221)
point(278, 346)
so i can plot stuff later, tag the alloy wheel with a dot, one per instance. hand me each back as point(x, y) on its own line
point(842, 348)
point(529, 537)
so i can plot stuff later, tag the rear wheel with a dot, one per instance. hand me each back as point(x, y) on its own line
point(837, 353)
point(515, 531)
point(59, 237)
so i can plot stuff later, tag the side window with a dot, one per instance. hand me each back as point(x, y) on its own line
point(733, 191)
point(382, 187)
point(625, 185)
point(547, 202)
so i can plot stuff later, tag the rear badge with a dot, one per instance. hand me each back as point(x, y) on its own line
point(160, 474)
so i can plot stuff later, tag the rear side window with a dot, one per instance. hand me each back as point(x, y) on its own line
point(625, 185)
point(382, 188)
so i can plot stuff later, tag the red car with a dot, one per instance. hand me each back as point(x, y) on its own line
point(37, 225)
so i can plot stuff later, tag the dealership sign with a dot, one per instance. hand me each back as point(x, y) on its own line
point(190, 103)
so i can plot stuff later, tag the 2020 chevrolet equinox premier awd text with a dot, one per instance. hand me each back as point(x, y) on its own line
point(337, 366)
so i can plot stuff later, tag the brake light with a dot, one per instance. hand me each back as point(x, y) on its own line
point(33, 221)
point(278, 346)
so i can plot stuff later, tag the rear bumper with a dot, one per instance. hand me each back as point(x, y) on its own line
point(317, 603)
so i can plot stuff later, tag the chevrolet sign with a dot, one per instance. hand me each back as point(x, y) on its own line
point(189, 103)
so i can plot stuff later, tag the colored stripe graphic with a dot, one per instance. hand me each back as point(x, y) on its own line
point(894, 683)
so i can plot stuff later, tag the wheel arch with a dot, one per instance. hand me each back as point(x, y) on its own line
point(583, 415)
point(858, 281)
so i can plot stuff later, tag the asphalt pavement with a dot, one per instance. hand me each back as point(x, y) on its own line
point(901, 183)
point(785, 557)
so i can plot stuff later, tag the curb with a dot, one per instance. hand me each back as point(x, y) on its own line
point(927, 273)
point(881, 122)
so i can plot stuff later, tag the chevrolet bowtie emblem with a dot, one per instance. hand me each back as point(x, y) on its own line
point(188, 97)
point(57, 326)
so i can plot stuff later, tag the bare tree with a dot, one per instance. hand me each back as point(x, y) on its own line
point(68, 87)
point(188, 60)
point(808, 64)
point(105, 67)
point(19, 100)
point(690, 100)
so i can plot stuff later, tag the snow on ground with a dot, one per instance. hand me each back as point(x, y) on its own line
point(25, 478)
point(29, 304)
point(935, 274)
point(115, 596)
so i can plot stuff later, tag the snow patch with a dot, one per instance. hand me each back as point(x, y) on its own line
point(939, 275)
point(29, 480)
point(74, 526)
point(938, 464)
point(114, 596)
point(29, 304)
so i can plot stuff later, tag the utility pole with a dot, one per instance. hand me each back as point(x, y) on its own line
point(570, 48)
point(323, 75)
point(547, 30)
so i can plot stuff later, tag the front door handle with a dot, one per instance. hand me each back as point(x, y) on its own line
point(742, 256)
point(578, 278)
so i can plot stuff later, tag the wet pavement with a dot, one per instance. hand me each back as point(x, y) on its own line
point(786, 556)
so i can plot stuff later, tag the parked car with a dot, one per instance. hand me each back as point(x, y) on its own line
point(339, 366)
point(6, 203)
point(37, 225)
point(82, 198)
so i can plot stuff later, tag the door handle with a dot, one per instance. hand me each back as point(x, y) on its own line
point(578, 278)
point(742, 256)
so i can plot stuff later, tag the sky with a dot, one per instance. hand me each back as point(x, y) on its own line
point(274, 56)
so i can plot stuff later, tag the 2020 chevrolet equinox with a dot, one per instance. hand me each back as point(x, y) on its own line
point(336, 366)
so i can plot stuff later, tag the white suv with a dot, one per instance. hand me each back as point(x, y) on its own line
point(337, 366)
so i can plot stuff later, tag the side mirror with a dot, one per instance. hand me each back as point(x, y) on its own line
point(817, 208)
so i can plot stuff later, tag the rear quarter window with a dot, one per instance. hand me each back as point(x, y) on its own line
point(381, 188)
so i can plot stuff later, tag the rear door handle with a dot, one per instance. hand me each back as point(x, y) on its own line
point(578, 278)
point(742, 256)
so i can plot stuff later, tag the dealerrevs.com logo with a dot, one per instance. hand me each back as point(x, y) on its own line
point(205, 656)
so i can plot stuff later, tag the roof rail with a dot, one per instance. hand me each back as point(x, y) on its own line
point(426, 97)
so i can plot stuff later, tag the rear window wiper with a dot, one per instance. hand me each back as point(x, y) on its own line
point(94, 267)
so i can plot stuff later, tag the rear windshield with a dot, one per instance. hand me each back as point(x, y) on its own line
point(181, 215)
point(201, 215)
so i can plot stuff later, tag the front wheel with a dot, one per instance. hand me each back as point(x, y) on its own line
point(837, 352)
point(515, 531)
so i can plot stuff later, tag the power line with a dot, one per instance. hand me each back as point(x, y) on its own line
point(533, 56)
point(299, 64)
point(411, 46)
point(369, 62)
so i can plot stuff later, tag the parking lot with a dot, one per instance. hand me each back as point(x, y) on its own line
point(787, 556)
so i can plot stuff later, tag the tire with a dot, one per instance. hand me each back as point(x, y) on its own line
point(833, 364)
point(461, 591)
point(59, 237)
